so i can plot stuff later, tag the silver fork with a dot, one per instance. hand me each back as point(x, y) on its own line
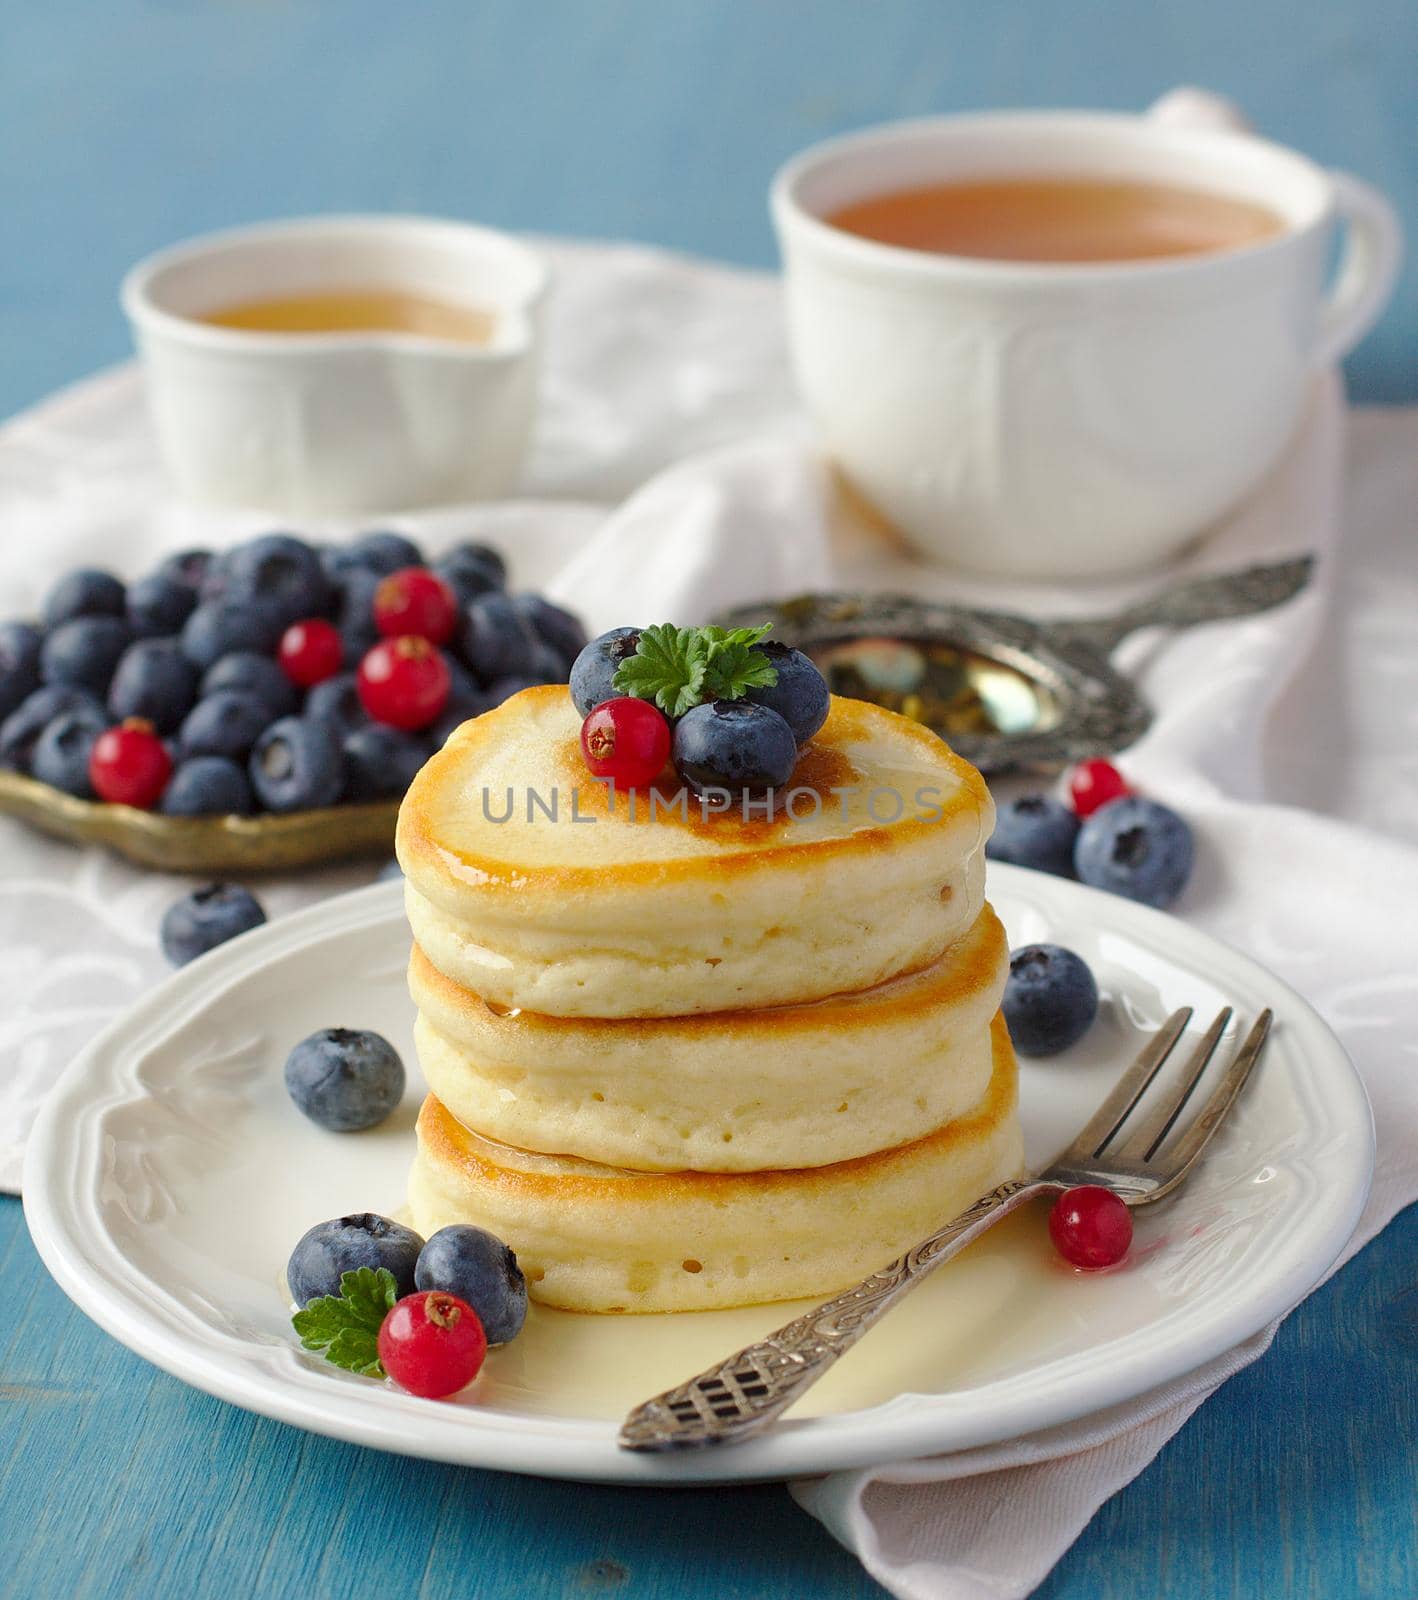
point(743, 1394)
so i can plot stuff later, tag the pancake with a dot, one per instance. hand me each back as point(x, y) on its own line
point(638, 906)
point(728, 1091)
point(597, 1238)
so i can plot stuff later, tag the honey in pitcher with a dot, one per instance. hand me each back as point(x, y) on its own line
point(358, 311)
point(1059, 219)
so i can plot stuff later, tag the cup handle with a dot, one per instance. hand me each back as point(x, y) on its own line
point(1368, 269)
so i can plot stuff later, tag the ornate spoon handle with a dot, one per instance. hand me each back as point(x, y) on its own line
point(744, 1393)
point(1210, 599)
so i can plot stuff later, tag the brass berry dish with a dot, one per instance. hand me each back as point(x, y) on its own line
point(216, 844)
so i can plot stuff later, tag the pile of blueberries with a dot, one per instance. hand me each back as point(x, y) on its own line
point(275, 675)
point(1106, 836)
point(459, 1259)
point(346, 1080)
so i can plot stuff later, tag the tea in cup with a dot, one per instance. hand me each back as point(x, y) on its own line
point(1062, 345)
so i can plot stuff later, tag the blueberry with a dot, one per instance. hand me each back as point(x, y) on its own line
point(202, 920)
point(456, 715)
point(345, 1079)
point(187, 567)
point(378, 553)
point(1137, 848)
point(466, 699)
point(468, 574)
point(463, 687)
point(85, 592)
point(470, 553)
point(250, 673)
point(380, 762)
point(336, 703)
point(338, 561)
point(19, 664)
point(227, 724)
point(594, 669)
point(280, 573)
point(297, 765)
point(1035, 831)
point(800, 695)
point(157, 607)
point(84, 652)
point(207, 786)
point(733, 745)
point(384, 552)
point(346, 1244)
point(61, 753)
point(354, 613)
point(546, 665)
point(495, 640)
point(501, 689)
point(213, 582)
point(479, 1268)
point(554, 627)
point(154, 680)
point(1050, 999)
point(21, 729)
point(467, 583)
point(221, 627)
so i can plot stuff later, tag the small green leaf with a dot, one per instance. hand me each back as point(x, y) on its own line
point(667, 667)
point(356, 1350)
point(737, 668)
point(678, 668)
point(718, 637)
point(345, 1326)
point(370, 1294)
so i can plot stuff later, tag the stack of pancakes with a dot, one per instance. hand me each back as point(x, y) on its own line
point(681, 1061)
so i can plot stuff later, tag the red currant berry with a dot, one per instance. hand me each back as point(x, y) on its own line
point(626, 740)
point(432, 1344)
point(311, 651)
point(129, 765)
point(1090, 1227)
point(1092, 784)
point(404, 682)
point(415, 600)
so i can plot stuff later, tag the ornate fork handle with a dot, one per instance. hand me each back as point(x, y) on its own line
point(746, 1392)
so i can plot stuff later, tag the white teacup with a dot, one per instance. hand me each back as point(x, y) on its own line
point(1060, 420)
point(339, 422)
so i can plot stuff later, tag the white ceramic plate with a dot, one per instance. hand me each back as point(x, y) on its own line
point(169, 1176)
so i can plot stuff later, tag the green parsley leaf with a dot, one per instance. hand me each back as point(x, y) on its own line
point(357, 1350)
point(346, 1325)
point(678, 668)
point(667, 667)
point(719, 637)
point(735, 666)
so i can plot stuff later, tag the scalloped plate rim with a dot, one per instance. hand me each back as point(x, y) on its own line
point(274, 1381)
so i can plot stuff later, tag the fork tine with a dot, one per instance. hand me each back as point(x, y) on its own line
point(1153, 1125)
point(1183, 1156)
point(1128, 1090)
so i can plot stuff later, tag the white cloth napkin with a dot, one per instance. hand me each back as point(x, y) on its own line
point(1287, 739)
point(1263, 726)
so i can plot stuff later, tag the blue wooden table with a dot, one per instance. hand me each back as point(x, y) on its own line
point(124, 127)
